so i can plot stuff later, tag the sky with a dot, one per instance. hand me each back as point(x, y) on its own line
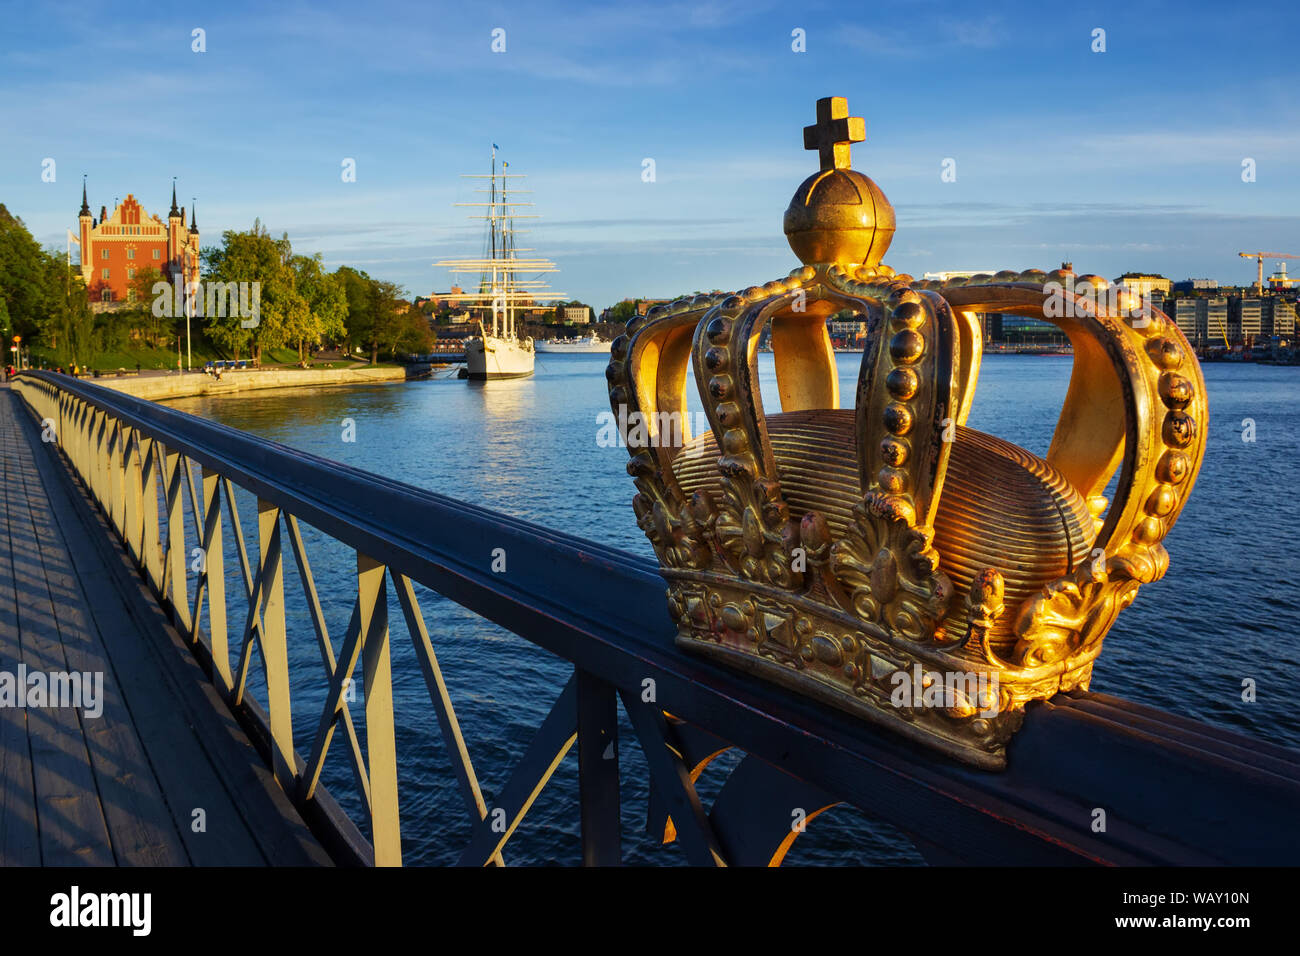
point(1129, 159)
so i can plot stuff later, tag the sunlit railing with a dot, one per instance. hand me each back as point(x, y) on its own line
point(603, 611)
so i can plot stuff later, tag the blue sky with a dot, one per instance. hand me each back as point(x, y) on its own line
point(1124, 160)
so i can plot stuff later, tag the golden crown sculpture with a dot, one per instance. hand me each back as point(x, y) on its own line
point(851, 553)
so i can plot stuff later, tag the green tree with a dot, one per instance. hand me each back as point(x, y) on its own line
point(386, 302)
point(360, 319)
point(254, 257)
point(326, 301)
point(154, 327)
point(622, 311)
point(78, 317)
point(25, 285)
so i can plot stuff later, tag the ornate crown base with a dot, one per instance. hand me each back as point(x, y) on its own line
point(937, 697)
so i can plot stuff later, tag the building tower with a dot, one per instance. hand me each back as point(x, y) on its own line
point(192, 247)
point(176, 239)
point(86, 223)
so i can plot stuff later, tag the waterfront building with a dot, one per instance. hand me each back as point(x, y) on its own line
point(1025, 330)
point(1195, 285)
point(1246, 316)
point(991, 326)
point(448, 300)
point(1145, 283)
point(1277, 317)
point(847, 328)
point(576, 315)
point(1189, 315)
point(116, 249)
point(1219, 320)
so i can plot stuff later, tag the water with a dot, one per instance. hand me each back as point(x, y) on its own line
point(1227, 610)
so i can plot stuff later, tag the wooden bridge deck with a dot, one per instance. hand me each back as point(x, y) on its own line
point(122, 788)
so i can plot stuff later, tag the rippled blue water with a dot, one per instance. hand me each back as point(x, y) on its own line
point(1227, 610)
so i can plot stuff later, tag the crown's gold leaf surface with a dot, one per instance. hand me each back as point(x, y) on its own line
point(886, 558)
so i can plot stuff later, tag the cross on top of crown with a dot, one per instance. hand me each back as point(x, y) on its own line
point(834, 132)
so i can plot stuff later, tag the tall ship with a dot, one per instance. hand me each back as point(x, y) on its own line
point(507, 282)
point(586, 344)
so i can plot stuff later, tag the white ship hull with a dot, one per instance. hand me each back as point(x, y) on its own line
point(488, 357)
point(588, 345)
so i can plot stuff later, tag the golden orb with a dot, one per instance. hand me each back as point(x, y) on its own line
point(839, 216)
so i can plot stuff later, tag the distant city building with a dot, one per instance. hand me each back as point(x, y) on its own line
point(1246, 317)
point(1186, 314)
point(116, 249)
point(991, 326)
point(1277, 317)
point(1232, 320)
point(576, 315)
point(1195, 285)
point(1279, 279)
point(1218, 323)
point(447, 300)
point(850, 330)
point(1144, 283)
point(1024, 330)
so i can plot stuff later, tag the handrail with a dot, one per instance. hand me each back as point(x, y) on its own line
point(604, 610)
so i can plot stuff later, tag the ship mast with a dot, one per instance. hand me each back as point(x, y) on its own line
point(500, 288)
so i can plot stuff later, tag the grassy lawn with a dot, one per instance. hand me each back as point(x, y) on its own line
point(147, 358)
point(202, 352)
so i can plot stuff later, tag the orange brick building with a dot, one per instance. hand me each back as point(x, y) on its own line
point(116, 249)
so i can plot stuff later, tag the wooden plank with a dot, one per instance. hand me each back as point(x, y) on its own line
point(202, 757)
point(19, 842)
point(72, 828)
point(139, 822)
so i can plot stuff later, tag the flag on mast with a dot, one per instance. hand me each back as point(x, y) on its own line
point(72, 238)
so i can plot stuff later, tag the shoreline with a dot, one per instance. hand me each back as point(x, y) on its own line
point(192, 384)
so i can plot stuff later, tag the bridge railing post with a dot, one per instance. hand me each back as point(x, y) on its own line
point(176, 555)
point(598, 783)
point(377, 688)
point(150, 543)
point(212, 582)
point(273, 641)
point(116, 505)
point(132, 494)
point(99, 436)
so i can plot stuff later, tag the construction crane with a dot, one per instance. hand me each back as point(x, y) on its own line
point(1259, 258)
